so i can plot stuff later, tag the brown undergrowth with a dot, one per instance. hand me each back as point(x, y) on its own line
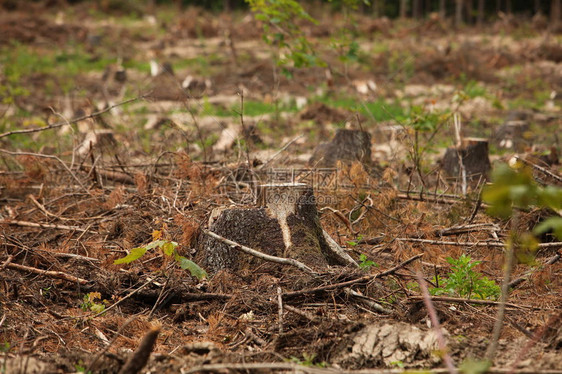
point(43, 315)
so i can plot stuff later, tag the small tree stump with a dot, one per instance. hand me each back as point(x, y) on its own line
point(514, 135)
point(284, 224)
point(469, 158)
point(347, 146)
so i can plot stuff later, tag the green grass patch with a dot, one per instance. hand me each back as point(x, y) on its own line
point(252, 108)
point(474, 89)
point(379, 109)
point(20, 62)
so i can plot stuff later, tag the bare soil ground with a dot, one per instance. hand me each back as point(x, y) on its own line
point(77, 196)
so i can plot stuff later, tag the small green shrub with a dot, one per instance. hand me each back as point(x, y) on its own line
point(463, 281)
point(365, 263)
point(168, 248)
point(92, 301)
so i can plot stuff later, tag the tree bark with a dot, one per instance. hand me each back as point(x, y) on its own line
point(469, 17)
point(375, 8)
point(458, 12)
point(480, 18)
point(403, 8)
point(468, 161)
point(285, 224)
point(536, 6)
point(416, 9)
point(555, 14)
point(442, 10)
point(508, 7)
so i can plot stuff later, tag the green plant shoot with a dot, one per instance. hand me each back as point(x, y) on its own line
point(464, 281)
point(168, 248)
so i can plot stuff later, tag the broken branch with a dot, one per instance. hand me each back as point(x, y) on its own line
point(64, 123)
point(285, 261)
point(48, 273)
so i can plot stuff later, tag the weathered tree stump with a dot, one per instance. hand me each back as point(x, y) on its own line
point(513, 134)
point(467, 161)
point(284, 224)
point(347, 146)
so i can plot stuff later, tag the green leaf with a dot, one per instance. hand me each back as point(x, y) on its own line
point(552, 223)
point(97, 308)
point(193, 268)
point(551, 197)
point(135, 254)
point(169, 247)
point(510, 188)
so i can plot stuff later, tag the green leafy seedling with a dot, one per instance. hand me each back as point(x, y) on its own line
point(464, 281)
point(355, 242)
point(168, 248)
point(90, 302)
point(366, 264)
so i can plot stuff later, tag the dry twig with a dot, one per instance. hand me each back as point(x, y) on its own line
point(47, 156)
point(473, 244)
point(48, 273)
point(293, 367)
point(279, 260)
point(470, 301)
point(138, 359)
point(41, 225)
point(540, 168)
point(64, 123)
point(364, 279)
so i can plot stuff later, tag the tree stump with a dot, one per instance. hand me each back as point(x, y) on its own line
point(514, 135)
point(347, 146)
point(467, 161)
point(284, 224)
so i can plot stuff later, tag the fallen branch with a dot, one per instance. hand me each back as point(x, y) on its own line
point(138, 359)
point(455, 230)
point(279, 260)
point(123, 298)
point(517, 281)
point(473, 244)
point(364, 279)
point(115, 176)
point(48, 273)
point(295, 368)
point(342, 218)
point(430, 199)
point(64, 123)
point(47, 156)
point(7, 262)
point(367, 301)
point(301, 313)
point(42, 225)
point(44, 210)
point(540, 168)
point(470, 301)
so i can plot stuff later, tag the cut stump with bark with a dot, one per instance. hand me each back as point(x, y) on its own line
point(468, 160)
point(285, 224)
point(347, 146)
point(514, 135)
